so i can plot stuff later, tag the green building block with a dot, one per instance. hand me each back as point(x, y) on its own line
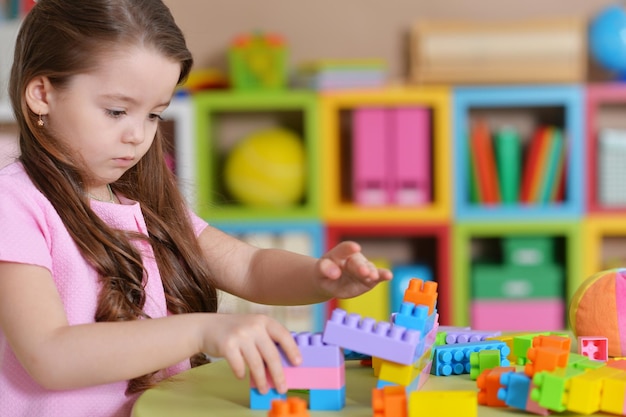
point(517, 282)
point(551, 387)
point(483, 360)
point(528, 250)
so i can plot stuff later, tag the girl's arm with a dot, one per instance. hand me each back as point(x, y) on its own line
point(273, 276)
point(59, 356)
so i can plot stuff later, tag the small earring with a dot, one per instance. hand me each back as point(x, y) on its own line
point(40, 121)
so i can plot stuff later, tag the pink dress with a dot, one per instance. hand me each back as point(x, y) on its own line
point(31, 232)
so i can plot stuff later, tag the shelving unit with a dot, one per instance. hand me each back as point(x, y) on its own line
point(527, 107)
point(217, 112)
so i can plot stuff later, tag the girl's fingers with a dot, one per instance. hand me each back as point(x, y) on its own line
point(236, 362)
point(256, 366)
point(342, 251)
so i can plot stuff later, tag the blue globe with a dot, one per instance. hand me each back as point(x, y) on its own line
point(607, 39)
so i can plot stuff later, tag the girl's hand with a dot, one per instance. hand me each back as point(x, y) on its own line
point(251, 340)
point(346, 272)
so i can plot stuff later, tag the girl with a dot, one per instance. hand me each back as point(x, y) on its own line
point(107, 281)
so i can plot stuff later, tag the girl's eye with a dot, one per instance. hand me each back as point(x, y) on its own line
point(155, 117)
point(115, 113)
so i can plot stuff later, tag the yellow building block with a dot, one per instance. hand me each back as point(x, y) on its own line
point(443, 404)
point(614, 394)
point(403, 374)
point(584, 391)
point(376, 363)
point(374, 303)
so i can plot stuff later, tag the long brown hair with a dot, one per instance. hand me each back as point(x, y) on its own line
point(59, 39)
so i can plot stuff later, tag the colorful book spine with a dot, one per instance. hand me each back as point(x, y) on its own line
point(554, 162)
point(484, 161)
point(508, 149)
point(532, 164)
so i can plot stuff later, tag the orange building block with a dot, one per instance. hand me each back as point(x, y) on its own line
point(422, 293)
point(557, 342)
point(389, 401)
point(488, 384)
point(545, 359)
point(291, 407)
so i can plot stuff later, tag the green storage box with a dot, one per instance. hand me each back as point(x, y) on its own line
point(528, 250)
point(517, 282)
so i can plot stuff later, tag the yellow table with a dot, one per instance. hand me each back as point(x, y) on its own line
point(212, 390)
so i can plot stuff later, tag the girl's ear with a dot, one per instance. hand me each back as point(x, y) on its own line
point(36, 95)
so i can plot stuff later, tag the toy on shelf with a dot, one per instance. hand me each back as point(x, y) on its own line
point(606, 41)
point(201, 80)
point(267, 169)
point(598, 307)
point(341, 74)
point(258, 61)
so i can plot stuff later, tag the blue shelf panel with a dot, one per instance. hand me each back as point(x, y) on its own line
point(568, 97)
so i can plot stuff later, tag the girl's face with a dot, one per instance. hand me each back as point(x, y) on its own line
point(109, 116)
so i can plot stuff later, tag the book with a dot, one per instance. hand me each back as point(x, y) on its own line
point(548, 182)
point(532, 164)
point(508, 151)
point(484, 161)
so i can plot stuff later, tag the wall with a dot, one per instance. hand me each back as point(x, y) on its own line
point(346, 28)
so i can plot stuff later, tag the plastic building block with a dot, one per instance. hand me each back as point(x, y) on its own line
point(521, 344)
point(583, 362)
point(315, 353)
point(380, 339)
point(488, 383)
point(515, 389)
point(422, 293)
point(311, 378)
point(415, 317)
point(454, 359)
point(550, 388)
point(404, 374)
point(584, 391)
point(613, 398)
point(594, 347)
point(389, 401)
point(483, 360)
point(467, 336)
point(558, 342)
point(402, 275)
point(258, 62)
point(260, 401)
point(545, 359)
point(291, 407)
point(327, 399)
point(443, 404)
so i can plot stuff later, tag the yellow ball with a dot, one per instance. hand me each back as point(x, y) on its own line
point(267, 169)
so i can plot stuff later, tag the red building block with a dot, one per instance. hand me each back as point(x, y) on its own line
point(422, 293)
point(389, 401)
point(594, 347)
point(488, 384)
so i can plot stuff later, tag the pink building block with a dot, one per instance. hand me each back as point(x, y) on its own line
point(411, 156)
point(594, 347)
point(371, 156)
point(531, 315)
point(380, 339)
point(311, 378)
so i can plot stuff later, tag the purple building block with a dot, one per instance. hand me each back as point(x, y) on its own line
point(381, 339)
point(468, 336)
point(315, 353)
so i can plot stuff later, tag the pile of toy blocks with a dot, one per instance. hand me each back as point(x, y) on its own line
point(401, 351)
point(554, 379)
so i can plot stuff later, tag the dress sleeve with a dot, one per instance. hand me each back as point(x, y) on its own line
point(197, 223)
point(25, 226)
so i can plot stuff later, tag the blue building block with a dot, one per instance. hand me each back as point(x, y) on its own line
point(415, 317)
point(260, 401)
point(327, 399)
point(454, 359)
point(402, 274)
point(515, 390)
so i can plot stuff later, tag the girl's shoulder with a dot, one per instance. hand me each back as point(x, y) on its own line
point(16, 185)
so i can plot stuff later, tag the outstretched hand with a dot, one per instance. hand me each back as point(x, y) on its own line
point(346, 272)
